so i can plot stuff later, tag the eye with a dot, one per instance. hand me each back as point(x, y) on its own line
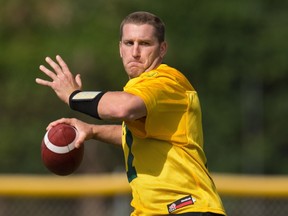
point(128, 43)
point(145, 43)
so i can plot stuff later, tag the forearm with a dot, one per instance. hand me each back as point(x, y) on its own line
point(108, 133)
point(116, 105)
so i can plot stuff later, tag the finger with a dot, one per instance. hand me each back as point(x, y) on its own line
point(62, 64)
point(54, 65)
point(51, 125)
point(59, 121)
point(43, 82)
point(48, 72)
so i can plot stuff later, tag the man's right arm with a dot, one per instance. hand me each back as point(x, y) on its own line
point(108, 133)
point(111, 134)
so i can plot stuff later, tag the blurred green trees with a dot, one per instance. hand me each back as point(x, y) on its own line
point(234, 53)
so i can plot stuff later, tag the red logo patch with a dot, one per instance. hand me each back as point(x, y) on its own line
point(185, 201)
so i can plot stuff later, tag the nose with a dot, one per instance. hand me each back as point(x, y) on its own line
point(136, 51)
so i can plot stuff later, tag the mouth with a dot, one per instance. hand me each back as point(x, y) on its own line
point(134, 63)
point(134, 68)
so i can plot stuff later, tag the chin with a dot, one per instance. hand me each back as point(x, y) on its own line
point(134, 73)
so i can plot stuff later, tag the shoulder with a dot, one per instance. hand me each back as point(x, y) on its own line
point(159, 77)
point(175, 76)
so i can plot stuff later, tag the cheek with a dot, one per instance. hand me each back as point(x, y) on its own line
point(123, 52)
point(151, 56)
point(123, 56)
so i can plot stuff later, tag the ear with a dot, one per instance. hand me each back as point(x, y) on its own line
point(163, 48)
point(120, 49)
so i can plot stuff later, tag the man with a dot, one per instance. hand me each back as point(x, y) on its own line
point(161, 133)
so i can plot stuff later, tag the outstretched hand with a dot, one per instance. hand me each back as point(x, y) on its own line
point(63, 82)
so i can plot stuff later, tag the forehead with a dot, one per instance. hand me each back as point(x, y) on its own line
point(138, 31)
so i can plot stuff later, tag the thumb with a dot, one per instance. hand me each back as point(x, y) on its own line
point(80, 141)
point(78, 80)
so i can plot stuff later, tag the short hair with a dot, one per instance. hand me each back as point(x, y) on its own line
point(142, 17)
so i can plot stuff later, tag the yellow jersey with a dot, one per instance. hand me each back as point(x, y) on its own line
point(165, 162)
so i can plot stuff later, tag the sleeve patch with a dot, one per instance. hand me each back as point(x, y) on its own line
point(86, 95)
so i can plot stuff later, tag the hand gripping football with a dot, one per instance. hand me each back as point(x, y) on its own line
point(58, 150)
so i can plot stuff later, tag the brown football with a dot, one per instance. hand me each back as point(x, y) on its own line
point(58, 151)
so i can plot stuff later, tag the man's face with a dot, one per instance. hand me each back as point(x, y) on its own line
point(140, 50)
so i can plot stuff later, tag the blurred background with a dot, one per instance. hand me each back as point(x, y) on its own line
point(233, 52)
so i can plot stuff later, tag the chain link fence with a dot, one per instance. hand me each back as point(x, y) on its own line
point(120, 206)
point(247, 206)
point(92, 206)
point(16, 201)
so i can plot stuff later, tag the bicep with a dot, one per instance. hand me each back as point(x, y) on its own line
point(121, 106)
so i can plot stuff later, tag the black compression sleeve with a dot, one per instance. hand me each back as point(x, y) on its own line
point(86, 102)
